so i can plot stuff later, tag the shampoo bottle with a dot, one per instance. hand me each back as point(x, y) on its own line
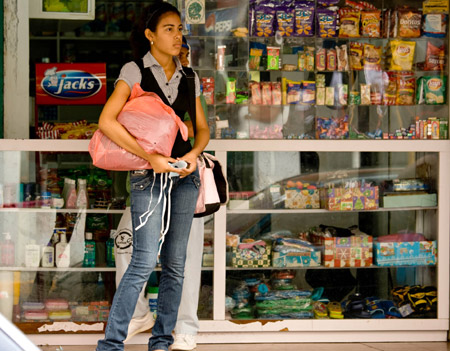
point(7, 251)
point(82, 195)
point(63, 252)
point(32, 254)
point(48, 255)
point(110, 255)
point(71, 196)
point(89, 251)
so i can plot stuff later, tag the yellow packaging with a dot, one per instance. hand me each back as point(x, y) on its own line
point(329, 96)
point(402, 55)
point(365, 94)
point(320, 98)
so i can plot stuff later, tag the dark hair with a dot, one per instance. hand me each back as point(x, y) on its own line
point(149, 18)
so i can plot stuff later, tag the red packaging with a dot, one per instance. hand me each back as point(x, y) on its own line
point(208, 89)
point(435, 58)
point(321, 57)
point(276, 93)
point(331, 59)
point(255, 93)
point(266, 92)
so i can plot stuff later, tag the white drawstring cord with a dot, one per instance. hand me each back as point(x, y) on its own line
point(148, 213)
point(165, 228)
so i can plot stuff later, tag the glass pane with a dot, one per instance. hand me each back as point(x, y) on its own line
point(344, 228)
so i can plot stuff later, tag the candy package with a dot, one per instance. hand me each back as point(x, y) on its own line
point(309, 58)
point(329, 96)
point(326, 23)
point(356, 56)
point(308, 92)
point(255, 93)
point(301, 60)
point(304, 19)
point(435, 25)
point(321, 57)
point(342, 58)
point(255, 58)
point(285, 20)
point(349, 23)
point(273, 58)
point(320, 80)
point(293, 92)
point(266, 93)
point(231, 91)
point(371, 23)
point(402, 55)
point(372, 57)
point(409, 23)
point(331, 59)
point(276, 93)
point(208, 89)
point(320, 96)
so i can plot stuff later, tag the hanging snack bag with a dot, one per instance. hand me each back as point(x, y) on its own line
point(320, 80)
point(208, 89)
point(304, 19)
point(435, 25)
point(365, 94)
point(264, 21)
point(231, 91)
point(255, 58)
point(356, 56)
point(331, 60)
point(402, 55)
point(329, 96)
point(389, 20)
point(342, 94)
point(285, 20)
point(320, 96)
point(321, 57)
point(273, 58)
point(431, 90)
point(342, 58)
point(349, 23)
point(276, 93)
point(409, 23)
point(308, 92)
point(372, 57)
point(293, 92)
point(371, 23)
point(327, 23)
point(301, 60)
point(435, 58)
point(266, 93)
point(389, 88)
point(327, 3)
point(406, 85)
point(255, 93)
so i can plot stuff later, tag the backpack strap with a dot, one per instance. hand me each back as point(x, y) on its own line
point(191, 91)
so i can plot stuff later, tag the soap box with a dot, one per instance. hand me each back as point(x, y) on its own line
point(353, 251)
point(240, 260)
point(409, 253)
point(305, 198)
point(296, 259)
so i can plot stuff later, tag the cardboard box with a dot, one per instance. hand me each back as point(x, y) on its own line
point(410, 253)
point(296, 259)
point(306, 198)
point(350, 199)
point(240, 260)
point(419, 200)
point(354, 251)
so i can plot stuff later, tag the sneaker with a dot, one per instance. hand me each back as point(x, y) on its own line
point(185, 342)
point(139, 325)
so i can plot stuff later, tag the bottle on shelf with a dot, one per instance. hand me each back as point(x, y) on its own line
point(152, 293)
point(63, 252)
point(48, 255)
point(82, 195)
point(70, 200)
point(7, 251)
point(89, 251)
point(65, 188)
point(32, 254)
point(110, 254)
point(100, 288)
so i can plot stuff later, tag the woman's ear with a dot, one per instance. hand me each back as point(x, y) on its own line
point(148, 34)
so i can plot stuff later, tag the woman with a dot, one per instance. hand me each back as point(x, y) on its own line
point(160, 72)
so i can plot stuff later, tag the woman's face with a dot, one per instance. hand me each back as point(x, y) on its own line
point(168, 35)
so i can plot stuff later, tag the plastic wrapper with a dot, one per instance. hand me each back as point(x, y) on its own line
point(304, 19)
point(273, 58)
point(308, 92)
point(285, 20)
point(255, 58)
point(435, 58)
point(372, 57)
point(321, 59)
point(230, 97)
point(266, 93)
point(331, 60)
point(402, 55)
point(293, 92)
point(349, 23)
point(371, 24)
point(342, 58)
point(208, 89)
point(276, 93)
point(327, 23)
point(409, 23)
point(264, 21)
point(435, 25)
point(356, 56)
point(255, 93)
point(431, 90)
point(275, 295)
point(406, 84)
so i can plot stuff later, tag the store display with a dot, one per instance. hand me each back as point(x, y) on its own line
point(62, 252)
point(32, 254)
point(110, 251)
point(7, 251)
point(89, 251)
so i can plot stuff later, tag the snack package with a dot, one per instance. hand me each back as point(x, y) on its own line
point(273, 58)
point(329, 96)
point(365, 94)
point(266, 93)
point(308, 92)
point(409, 23)
point(371, 24)
point(304, 19)
point(435, 58)
point(326, 23)
point(372, 57)
point(402, 55)
point(356, 56)
point(375, 95)
point(354, 98)
point(276, 93)
point(406, 84)
point(320, 80)
point(342, 58)
point(342, 94)
point(435, 25)
point(285, 20)
point(208, 89)
point(255, 93)
point(220, 64)
point(320, 96)
point(255, 58)
point(331, 60)
point(309, 58)
point(301, 57)
point(231, 91)
point(431, 90)
point(321, 57)
point(349, 23)
point(389, 20)
point(389, 88)
point(264, 21)
point(293, 92)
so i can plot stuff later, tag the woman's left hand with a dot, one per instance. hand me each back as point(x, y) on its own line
point(191, 159)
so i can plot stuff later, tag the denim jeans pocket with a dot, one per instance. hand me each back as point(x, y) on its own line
point(195, 180)
point(141, 183)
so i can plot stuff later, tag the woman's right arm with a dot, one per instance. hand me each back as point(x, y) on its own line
point(109, 125)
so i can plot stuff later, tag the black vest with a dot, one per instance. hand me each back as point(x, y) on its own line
point(180, 105)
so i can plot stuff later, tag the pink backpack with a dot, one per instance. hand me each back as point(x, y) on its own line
point(154, 125)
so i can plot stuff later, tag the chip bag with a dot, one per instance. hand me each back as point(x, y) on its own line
point(402, 55)
point(370, 24)
point(431, 90)
point(349, 23)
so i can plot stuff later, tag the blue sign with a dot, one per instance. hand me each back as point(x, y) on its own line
point(70, 84)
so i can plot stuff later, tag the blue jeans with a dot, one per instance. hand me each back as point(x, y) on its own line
point(143, 261)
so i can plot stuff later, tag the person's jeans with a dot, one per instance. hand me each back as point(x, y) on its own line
point(145, 250)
